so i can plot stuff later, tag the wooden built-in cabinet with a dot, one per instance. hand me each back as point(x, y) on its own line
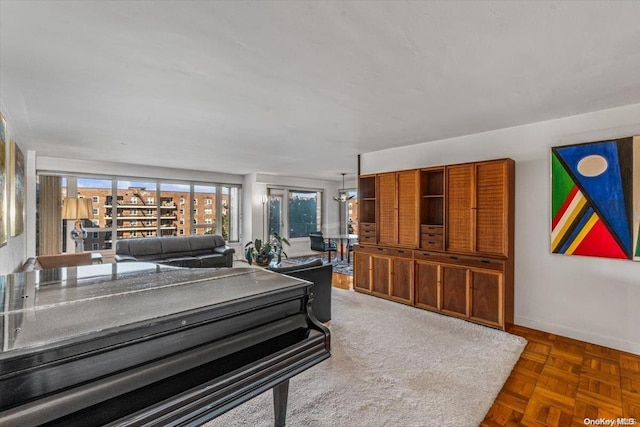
point(367, 209)
point(440, 238)
point(384, 272)
point(397, 208)
point(478, 207)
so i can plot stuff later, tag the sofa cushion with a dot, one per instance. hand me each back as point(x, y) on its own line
point(187, 261)
point(147, 248)
point(212, 260)
point(174, 245)
point(203, 242)
point(122, 247)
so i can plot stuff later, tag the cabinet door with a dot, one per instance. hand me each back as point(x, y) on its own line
point(455, 290)
point(362, 271)
point(491, 208)
point(387, 213)
point(407, 214)
point(460, 197)
point(427, 280)
point(402, 280)
point(486, 297)
point(380, 275)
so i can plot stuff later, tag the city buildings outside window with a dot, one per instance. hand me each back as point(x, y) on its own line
point(118, 219)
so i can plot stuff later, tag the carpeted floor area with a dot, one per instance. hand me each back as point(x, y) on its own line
point(393, 365)
point(339, 266)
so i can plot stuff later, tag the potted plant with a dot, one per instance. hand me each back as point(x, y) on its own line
point(264, 252)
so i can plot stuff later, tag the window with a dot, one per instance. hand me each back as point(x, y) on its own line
point(294, 213)
point(304, 213)
point(170, 191)
point(111, 221)
point(95, 247)
point(208, 221)
point(195, 202)
point(208, 211)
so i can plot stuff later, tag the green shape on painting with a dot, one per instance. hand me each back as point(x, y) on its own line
point(561, 185)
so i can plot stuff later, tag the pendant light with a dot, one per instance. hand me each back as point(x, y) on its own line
point(342, 195)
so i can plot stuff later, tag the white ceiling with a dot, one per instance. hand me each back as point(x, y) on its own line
point(300, 88)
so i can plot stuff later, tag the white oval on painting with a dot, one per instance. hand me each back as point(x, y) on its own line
point(592, 165)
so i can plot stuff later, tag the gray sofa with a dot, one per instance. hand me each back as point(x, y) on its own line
point(208, 250)
point(320, 274)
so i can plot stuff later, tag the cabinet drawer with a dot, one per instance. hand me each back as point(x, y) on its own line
point(400, 253)
point(430, 243)
point(368, 238)
point(431, 229)
point(367, 226)
point(466, 261)
point(390, 252)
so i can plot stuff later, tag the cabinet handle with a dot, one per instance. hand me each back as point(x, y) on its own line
point(400, 252)
point(453, 257)
point(431, 242)
point(486, 261)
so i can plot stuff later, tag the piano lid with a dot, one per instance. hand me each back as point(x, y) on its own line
point(41, 309)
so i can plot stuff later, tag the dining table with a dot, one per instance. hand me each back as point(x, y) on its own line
point(342, 238)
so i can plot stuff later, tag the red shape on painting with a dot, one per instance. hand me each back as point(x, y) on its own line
point(599, 242)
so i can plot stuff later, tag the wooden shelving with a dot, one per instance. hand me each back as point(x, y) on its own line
point(440, 238)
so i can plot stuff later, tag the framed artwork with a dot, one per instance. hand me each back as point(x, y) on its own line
point(3, 182)
point(595, 199)
point(17, 185)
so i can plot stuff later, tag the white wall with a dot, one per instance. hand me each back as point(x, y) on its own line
point(16, 251)
point(587, 298)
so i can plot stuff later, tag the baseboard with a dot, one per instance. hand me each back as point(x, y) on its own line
point(606, 341)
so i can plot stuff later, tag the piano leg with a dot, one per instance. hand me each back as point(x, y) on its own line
point(280, 394)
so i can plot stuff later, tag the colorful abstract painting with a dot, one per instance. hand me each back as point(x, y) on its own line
point(595, 200)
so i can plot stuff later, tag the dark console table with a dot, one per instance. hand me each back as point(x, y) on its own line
point(143, 344)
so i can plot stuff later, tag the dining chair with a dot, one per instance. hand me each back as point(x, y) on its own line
point(320, 244)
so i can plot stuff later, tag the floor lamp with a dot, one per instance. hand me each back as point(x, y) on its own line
point(77, 209)
point(264, 218)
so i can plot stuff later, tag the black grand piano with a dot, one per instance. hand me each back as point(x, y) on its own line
point(138, 344)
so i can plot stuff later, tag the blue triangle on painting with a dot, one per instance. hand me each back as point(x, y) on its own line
point(601, 184)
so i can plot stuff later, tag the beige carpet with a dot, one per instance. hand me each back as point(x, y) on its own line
point(393, 365)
